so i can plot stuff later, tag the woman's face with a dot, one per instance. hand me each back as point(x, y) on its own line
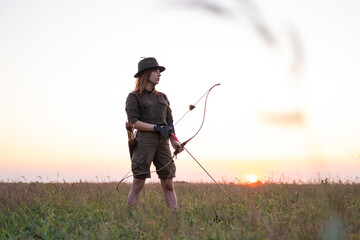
point(154, 77)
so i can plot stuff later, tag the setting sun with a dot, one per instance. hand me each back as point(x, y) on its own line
point(251, 178)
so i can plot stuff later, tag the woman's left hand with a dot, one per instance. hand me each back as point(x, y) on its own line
point(176, 145)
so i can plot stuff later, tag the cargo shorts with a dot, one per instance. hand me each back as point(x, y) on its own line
point(152, 147)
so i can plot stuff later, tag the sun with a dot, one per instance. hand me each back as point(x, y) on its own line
point(251, 178)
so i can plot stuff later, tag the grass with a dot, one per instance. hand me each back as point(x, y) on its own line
point(263, 211)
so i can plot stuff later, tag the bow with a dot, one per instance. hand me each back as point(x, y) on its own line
point(191, 107)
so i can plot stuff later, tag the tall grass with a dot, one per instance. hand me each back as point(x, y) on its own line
point(96, 211)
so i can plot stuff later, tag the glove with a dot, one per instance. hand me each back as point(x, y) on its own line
point(163, 130)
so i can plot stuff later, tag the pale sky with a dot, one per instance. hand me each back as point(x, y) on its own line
point(286, 106)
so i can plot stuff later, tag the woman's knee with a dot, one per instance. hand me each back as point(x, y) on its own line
point(167, 184)
point(138, 184)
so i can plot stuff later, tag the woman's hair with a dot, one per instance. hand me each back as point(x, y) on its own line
point(141, 83)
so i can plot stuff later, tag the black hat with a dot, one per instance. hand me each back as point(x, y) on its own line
point(148, 63)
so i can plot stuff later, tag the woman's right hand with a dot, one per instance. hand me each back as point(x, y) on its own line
point(163, 130)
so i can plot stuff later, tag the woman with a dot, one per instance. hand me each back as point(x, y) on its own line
point(149, 112)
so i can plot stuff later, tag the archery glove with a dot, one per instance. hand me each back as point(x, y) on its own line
point(163, 130)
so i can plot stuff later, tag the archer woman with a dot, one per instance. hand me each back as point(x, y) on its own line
point(149, 112)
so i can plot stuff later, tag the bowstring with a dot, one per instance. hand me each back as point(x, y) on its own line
point(207, 92)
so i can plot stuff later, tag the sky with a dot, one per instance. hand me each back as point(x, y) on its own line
point(286, 108)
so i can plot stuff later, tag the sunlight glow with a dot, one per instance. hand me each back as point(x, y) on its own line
point(251, 178)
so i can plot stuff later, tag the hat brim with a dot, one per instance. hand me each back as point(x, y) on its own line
point(161, 68)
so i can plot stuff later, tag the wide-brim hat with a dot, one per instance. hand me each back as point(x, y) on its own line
point(148, 63)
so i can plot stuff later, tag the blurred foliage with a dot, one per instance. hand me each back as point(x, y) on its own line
point(259, 211)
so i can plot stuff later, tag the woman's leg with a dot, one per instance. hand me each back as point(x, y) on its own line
point(169, 193)
point(134, 194)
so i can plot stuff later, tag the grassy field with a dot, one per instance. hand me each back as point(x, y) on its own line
point(96, 211)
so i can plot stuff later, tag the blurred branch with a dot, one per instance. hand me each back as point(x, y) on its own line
point(247, 8)
point(250, 11)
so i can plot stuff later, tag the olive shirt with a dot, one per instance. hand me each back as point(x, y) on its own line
point(148, 108)
point(151, 146)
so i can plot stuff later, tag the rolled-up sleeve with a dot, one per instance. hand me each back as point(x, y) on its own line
point(132, 108)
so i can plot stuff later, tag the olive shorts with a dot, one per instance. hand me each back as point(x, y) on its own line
point(152, 147)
